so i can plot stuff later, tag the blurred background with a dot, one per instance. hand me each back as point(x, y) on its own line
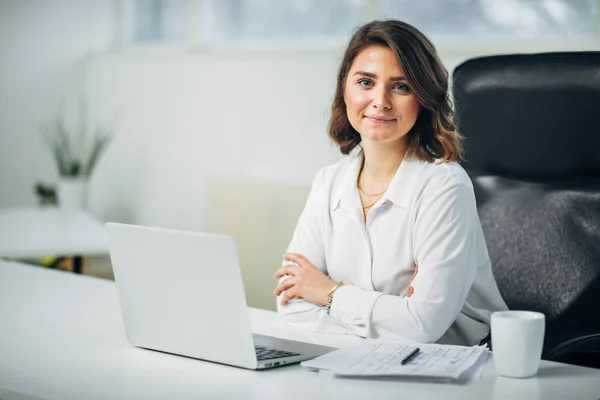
point(214, 111)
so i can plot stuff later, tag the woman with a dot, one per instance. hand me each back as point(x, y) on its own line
point(389, 244)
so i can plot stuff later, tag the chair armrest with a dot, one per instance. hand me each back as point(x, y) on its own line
point(580, 350)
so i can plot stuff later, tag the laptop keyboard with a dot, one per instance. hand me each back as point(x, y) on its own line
point(265, 353)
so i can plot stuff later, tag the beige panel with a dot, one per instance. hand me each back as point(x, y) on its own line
point(261, 217)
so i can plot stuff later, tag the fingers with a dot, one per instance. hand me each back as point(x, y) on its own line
point(288, 288)
point(288, 295)
point(298, 258)
point(286, 270)
point(284, 285)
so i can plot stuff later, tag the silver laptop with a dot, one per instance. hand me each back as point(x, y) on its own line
point(182, 293)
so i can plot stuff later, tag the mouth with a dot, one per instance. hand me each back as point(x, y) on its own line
point(378, 119)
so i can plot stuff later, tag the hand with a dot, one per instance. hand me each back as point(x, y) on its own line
point(305, 281)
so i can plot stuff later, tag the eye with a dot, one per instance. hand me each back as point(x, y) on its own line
point(401, 87)
point(365, 82)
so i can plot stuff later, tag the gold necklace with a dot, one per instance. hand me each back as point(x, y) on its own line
point(368, 194)
point(371, 205)
point(365, 193)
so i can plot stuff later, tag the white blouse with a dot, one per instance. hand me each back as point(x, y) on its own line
point(426, 218)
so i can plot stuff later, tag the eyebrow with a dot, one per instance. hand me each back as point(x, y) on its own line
point(371, 75)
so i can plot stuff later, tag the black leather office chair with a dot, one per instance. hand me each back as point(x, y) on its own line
point(532, 129)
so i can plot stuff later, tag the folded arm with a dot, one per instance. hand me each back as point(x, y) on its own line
point(308, 241)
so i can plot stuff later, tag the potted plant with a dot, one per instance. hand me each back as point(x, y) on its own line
point(76, 152)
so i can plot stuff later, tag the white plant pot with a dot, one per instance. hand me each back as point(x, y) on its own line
point(72, 192)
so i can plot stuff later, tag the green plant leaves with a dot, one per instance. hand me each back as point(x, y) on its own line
point(69, 148)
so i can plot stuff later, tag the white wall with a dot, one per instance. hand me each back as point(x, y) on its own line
point(43, 44)
point(188, 120)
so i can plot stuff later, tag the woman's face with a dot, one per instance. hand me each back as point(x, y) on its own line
point(379, 103)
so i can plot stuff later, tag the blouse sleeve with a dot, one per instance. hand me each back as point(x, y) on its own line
point(308, 240)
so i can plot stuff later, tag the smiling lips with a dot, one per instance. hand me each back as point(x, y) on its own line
point(378, 119)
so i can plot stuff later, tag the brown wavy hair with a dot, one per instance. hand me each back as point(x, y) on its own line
point(434, 133)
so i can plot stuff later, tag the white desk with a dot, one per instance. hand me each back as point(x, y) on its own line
point(61, 337)
point(37, 232)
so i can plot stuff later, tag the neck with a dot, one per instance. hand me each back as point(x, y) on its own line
point(381, 161)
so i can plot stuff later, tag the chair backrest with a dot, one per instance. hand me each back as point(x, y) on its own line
point(532, 129)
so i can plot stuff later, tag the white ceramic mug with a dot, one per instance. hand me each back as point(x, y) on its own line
point(517, 341)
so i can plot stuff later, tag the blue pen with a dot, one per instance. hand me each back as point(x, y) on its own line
point(410, 356)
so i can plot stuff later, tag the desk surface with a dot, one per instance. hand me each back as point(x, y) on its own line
point(50, 231)
point(61, 337)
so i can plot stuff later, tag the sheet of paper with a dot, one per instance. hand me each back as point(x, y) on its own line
point(338, 359)
point(474, 373)
point(384, 359)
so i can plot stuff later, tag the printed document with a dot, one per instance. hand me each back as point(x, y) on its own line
point(373, 358)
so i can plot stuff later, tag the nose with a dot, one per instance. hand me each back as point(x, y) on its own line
point(381, 99)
